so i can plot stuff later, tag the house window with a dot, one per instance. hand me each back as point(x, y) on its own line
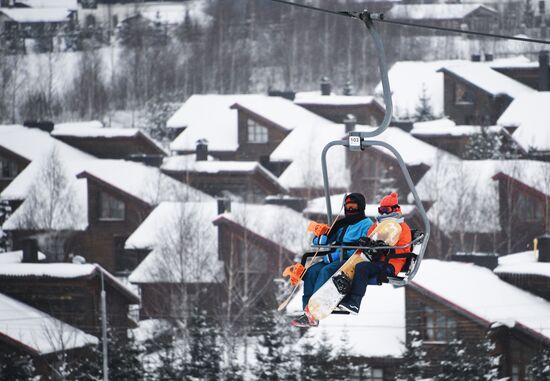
point(463, 94)
point(110, 208)
point(256, 133)
point(8, 168)
point(375, 374)
point(439, 327)
point(527, 208)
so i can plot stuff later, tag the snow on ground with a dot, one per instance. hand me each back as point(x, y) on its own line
point(491, 81)
point(465, 191)
point(207, 117)
point(37, 330)
point(528, 113)
point(16, 257)
point(184, 244)
point(523, 263)
point(377, 331)
point(303, 148)
point(484, 295)
point(149, 329)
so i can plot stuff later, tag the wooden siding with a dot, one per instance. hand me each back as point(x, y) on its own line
point(113, 148)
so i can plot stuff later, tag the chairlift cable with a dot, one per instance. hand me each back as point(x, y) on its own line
point(380, 18)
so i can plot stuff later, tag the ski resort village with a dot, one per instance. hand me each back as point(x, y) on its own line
point(275, 190)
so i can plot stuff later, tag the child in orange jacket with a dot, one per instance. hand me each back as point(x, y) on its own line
point(369, 272)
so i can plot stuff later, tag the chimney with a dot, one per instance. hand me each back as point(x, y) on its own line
point(149, 160)
point(543, 70)
point(202, 150)
point(350, 122)
point(489, 57)
point(46, 125)
point(348, 88)
point(224, 205)
point(488, 260)
point(30, 251)
point(544, 248)
point(326, 87)
point(476, 57)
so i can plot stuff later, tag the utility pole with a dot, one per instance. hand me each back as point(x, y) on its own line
point(104, 327)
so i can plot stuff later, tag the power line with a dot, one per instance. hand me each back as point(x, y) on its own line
point(365, 15)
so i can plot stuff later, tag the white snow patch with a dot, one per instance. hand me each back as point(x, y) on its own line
point(16, 257)
point(529, 113)
point(92, 129)
point(434, 11)
point(478, 290)
point(30, 15)
point(523, 263)
point(377, 331)
point(315, 98)
point(37, 330)
point(446, 127)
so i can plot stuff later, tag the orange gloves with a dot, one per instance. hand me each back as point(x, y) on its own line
point(318, 229)
point(295, 272)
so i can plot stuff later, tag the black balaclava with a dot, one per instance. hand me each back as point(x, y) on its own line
point(359, 199)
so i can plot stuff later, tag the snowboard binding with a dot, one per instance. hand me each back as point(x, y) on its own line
point(342, 283)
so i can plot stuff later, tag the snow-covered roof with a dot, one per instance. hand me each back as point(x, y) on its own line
point(175, 13)
point(528, 113)
point(413, 151)
point(491, 81)
point(284, 113)
point(315, 98)
point(523, 263)
point(465, 191)
point(318, 206)
point(69, 4)
point(434, 11)
point(30, 15)
point(377, 331)
point(484, 295)
point(411, 80)
point(303, 147)
point(282, 225)
point(91, 129)
point(16, 257)
point(38, 331)
point(184, 244)
point(146, 183)
point(446, 127)
point(208, 117)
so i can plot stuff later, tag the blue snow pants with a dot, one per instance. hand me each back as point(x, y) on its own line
point(316, 276)
point(366, 273)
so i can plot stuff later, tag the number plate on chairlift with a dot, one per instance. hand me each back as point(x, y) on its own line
point(355, 143)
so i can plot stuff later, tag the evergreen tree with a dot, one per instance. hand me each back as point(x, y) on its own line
point(89, 367)
point(539, 367)
point(342, 363)
point(456, 365)
point(484, 361)
point(414, 359)
point(14, 367)
point(234, 370)
point(274, 359)
point(5, 212)
point(124, 357)
point(490, 145)
point(170, 364)
point(204, 347)
point(464, 363)
point(424, 111)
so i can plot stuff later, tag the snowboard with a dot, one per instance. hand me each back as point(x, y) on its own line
point(327, 298)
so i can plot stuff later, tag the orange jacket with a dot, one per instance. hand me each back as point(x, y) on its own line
point(404, 238)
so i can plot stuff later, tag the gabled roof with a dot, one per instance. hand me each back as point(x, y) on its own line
point(377, 331)
point(410, 80)
point(303, 147)
point(30, 15)
point(64, 271)
point(37, 332)
point(145, 183)
point(523, 263)
point(183, 243)
point(208, 117)
point(529, 113)
point(480, 293)
point(281, 225)
point(281, 112)
point(315, 98)
point(481, 75)
point(465, 191)
point(435, 11)
point(69, 4)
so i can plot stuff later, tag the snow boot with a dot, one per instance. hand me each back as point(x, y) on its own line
point(351, 303)
point(305, 321)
